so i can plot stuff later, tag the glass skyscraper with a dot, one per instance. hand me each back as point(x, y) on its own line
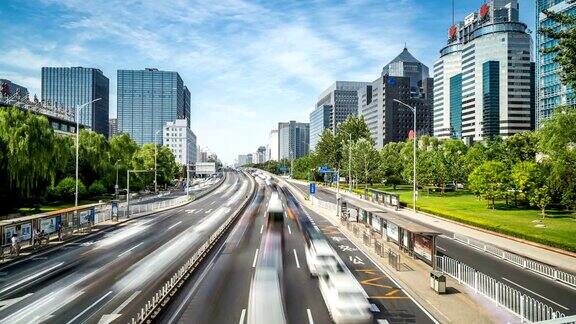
point(319, 121)
point(293, 139)
point(147, 100)
point(72, 86)
point(551, 92)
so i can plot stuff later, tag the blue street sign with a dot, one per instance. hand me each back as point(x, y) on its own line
point(324, 169)
point(335, 177)
point(312, 188)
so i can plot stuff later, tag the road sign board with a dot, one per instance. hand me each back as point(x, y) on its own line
point(335, 177)
point(312, 188)
point(324, 169)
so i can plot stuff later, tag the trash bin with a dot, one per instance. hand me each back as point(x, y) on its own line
point(438, 282)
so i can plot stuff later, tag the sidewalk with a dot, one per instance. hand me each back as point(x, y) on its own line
point(560, 259)
point(458, 305)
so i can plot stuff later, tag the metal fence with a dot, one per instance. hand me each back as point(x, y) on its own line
point(532, 265)
point(323, 204)
point(523, 306)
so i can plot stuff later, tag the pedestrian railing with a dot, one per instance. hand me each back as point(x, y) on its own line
point(526, 263)
point(521, 305)
point(323, 204)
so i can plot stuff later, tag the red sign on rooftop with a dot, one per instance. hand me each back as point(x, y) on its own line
point(484, 10)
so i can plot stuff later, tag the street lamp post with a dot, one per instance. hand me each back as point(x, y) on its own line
point(78, 108)
point(413, 109)
point(155, 162)
point(350, 163)
point(116, 186)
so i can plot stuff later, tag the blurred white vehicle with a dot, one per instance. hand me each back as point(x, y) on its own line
point(345, 299)
point(321, 258)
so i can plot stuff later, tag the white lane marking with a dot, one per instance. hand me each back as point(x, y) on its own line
point(12, 301)
point(310, 319)
point(374, 308)
point(242, 315)
point(171, 227)
point(212, 203)
point(296, 257)
point(29, 278)
point(208, 211)
point(255, 258)
point(89, 307)
point(130, 249)
point(126, 302)
point(441, 248)
point(190, 211)
point(383, 321)
point(108, 318)
point(289, 230)
point(553, 302)
point(261, 229)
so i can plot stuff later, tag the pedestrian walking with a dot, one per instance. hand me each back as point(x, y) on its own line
point(59, 229)
point(15, 247)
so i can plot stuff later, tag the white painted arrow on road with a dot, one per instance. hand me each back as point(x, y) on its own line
point(108, 318)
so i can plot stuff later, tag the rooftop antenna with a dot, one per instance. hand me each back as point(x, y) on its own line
point(405, 45)
point(452, 12)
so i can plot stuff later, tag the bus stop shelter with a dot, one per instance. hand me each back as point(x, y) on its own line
point(414, 238)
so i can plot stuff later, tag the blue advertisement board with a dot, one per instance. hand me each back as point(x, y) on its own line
point(312, 188)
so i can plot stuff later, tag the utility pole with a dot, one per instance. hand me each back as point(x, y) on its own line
point(350, 163)
point(155, 163)
point(414, 189)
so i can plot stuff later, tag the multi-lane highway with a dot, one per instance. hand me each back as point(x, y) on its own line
point(219, 292)
point(109, 276)
point(555, 294)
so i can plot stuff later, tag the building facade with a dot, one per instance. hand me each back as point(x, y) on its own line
point(387, 120)
point(181, 140)
point(10, 89)
point(260, 155)
point(147, 100)
point(550, 93)
point(293, 139)
point(483, 81)
point(70, 87)
point(113, 127)
point(334, 105)
point(273, 154)
point(320, 119)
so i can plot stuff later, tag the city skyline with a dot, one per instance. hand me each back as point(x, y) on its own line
point(272, 51)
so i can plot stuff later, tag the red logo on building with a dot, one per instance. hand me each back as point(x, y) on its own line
point(452, 32)
point(484, 10)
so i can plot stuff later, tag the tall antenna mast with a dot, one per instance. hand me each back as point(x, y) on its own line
point(452, 12)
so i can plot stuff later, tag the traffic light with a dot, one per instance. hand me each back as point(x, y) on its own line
point(5, 91)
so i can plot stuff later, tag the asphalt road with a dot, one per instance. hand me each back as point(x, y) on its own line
point(108, 276)
point(219, 291)
point(561, 297)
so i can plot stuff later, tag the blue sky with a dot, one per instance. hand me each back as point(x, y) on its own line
point(248, 64)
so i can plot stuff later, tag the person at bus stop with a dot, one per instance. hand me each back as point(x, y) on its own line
point(15, 248)
point(59, 229)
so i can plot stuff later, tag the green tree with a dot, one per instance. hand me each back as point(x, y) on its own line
point(144, 160)
point(565, 45)
point(521, 147)
point(454, 156)
point(490, 181)
point(355, 128)
point(97, 188)
point(525, 177)
point(391, 163)
point(93, 159)
point(328, 150)
point(122, 150)
point(304, 167)
point(541, 198)
point(28, 160)
point(365, 162)
point(66, 189)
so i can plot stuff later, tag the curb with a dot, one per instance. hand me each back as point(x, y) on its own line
point(105, 229)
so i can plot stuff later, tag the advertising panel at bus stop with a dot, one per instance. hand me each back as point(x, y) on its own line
point(392, 231)
point(423, 247)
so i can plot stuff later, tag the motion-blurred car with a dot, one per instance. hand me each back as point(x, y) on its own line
point(345, 299)
point(321, 258)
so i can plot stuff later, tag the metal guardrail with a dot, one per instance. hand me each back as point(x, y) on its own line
point(151, 307)
point(521, 305)
point(520, 261)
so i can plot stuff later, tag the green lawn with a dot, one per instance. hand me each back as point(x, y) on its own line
point(25, 211)
point(560, 230)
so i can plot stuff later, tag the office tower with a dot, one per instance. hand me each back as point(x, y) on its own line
point(293, 139)
point(147, 100)
point(180, 139)
point(11, 89)
point(550, 92)
point(70, 87)
point(334, 105)
point(273, 154)
point(260, 156)
point(113, 127)
point(483, 81)
point(405, 79)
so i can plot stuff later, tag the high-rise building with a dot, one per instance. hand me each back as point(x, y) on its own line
point(334, 105)
point(483, 81)
point(405, 79)
point(10, 89)
point(113, 127)
point(260, 156)
point(273, 154)
point(550, 93)
point(180, 139)
point(70, 87)
point(244, 159)
point(293, 139)
point(147, 100)
point(319, 121)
